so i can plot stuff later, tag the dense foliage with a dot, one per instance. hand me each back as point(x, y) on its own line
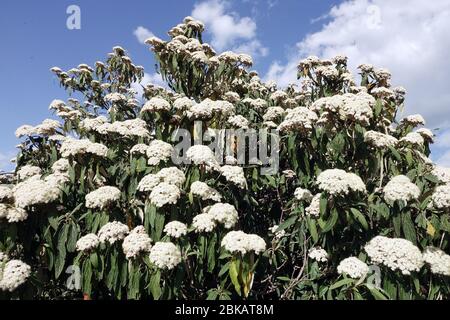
point(99, 190)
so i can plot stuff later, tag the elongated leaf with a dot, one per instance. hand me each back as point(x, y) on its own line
point(233, 272)
point(360, 218)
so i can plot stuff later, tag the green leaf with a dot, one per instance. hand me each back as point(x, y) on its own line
point(377, 294)
point(60, 260)
point(341, 283)
point(395, 153)
point(313, 229)
point(331, 221)
point(233, 272)
point(286, 224)
point(408, 227)
point(360, 218)
point(155, 288)
point(323, 204)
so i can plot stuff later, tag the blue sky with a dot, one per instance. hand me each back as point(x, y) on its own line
point(277, 32)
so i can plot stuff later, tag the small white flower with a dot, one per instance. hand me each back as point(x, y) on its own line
point(204, 191)
point(401, 188)
point(395, 253)
point(156, 104)
point(303, 194)
point(163, 194)
point(318, 254)
point(136, 243)
point(223, 213)
point(88, 242)
point(14, 274)
point(353, 267)
point(238, 241)
point(438, 260)
point(102, 197)
point(339, 182)
point(112, 232)
point(175, 229)
point(165, 255)
point(203, 222)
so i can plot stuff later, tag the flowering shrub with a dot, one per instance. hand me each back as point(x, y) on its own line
point(356, 211)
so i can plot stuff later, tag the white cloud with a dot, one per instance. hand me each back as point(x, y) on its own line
point(409, 39)
point(444, 160)
point(228, 29)
point(142, 34)
point(5, 161)
point(253, 48)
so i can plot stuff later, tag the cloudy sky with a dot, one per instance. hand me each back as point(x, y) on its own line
point(408, 37)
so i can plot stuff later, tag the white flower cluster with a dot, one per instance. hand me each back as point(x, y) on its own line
point(73, 147)
point(115, 97)
point(400, 188)
point(441, 173)
point(349, 106)
point(202, 155)
point(172, 175)
point(427, 134)
point(156, 104)
point(256, 104)
point(273, 113)
point(183, 104)
point(353, 267)
point(6, 194)
point(440, 199)
point(175, 229)
point(159, 151)
point(112, 232)
point(47, 128)
point(127, 128)
point(438, 260)
point(136, 243)
point(13, 274)
point(278, 234)
point(139, 148)
point(34, 191)
point(88, 242)
point(298, 119)
point(303, 194)
point(414, 120)
point(148, 182)
point(165, 255)
point(234, 174)
point(239, 121)
point(203, 222)
point(414, 139)
point(395, 253)
point(223, 213)
point(339, 182)
point(92, 124)
point(209, 108)
point(164, 193)
point(278, 95)
point(318, 254)
point(28, 171)
point(240, 242)
point(205, 192)
point(314, 208)
point(380, 140)
point(102, 197)
point(12, 214)
point(62, 165)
